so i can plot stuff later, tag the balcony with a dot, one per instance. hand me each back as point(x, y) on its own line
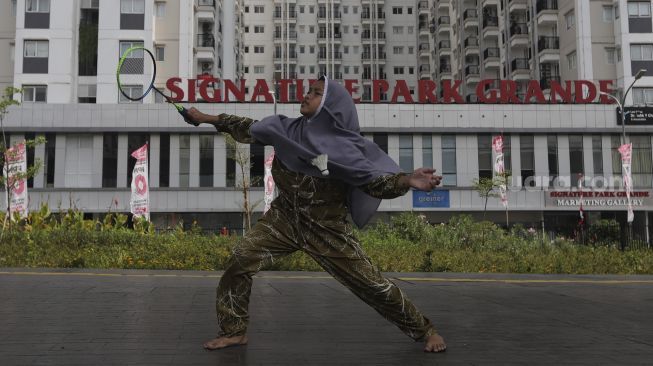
point(322, 16)
point(445, 68)
point(205, 40)
point(548, 48)
point(289, 15)
point(472, 70)
point(282, 36)
point(336, 37)
point(423, 7)
point(545, 81)
point(444, 47)
point(424, 50)
point(368, 16)
point(547, 12)
point(470, 18)
point(472, 98)
point(520, 69)
point(519, 35)
point(205, 47)
point(471, 42)
point(491, 57)
point(490, 26)
point(517, 6)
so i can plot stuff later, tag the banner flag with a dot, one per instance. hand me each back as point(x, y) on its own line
point(16, 163)
point(140, 197)
point(626, 159)
point(268, 181)
point(499, 169)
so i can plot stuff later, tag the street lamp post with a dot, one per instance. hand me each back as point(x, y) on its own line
point(622, 114)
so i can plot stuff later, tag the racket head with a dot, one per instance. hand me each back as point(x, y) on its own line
point(136, 67)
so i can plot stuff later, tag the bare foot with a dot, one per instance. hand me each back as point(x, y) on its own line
point(435, 343)
point(224, 342)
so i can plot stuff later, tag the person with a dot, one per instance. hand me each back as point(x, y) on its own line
point(310, 212)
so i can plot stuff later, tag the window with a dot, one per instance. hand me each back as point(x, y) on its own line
point(608, 14)
point(409, 10)
point(642, 96)
point(411, 50)
point(302, 49)
point(312, 50)
point(485, 167)
point(397, 10)
point(164, 160)
point(355, 9)
point(36, 49)
point(37, 6)
point(13, 7)
point(160, 9)
point(206, 160)
point(259, 69)
point(133, 91)
point(449, 160)
point(576, 166)
point(259, 29)
point(399, 70)
point(259, 9)
point(381, 139)
point(346, 50)
point(247, 9)
point(160, 53)
point(301, 9)
point(552, 149)
point(132, 6)
point(246, 29)
point(110, 160)
point(356, 50)
point(597, 155)
point(570, 19)
point(184, 160)
point(427, 150)
point(610, 56)
point(411, 70)
point(355, 28)
point(311, 29)
point(356, 69)
point(571, 60)
point(616, 11)
point(311, 69)
point(639, 9)
point(411, 30)
point(125, 45)
point(345, 9)
point(259, 49)
point(87, 93)
point(397, 50)
point(35, 93)
point(302, 69)
point(48, 159)
point(311, 9)
point(527, 160)
point(641, 52)
point(345, 29)
point(246, 49)
point(406, 152)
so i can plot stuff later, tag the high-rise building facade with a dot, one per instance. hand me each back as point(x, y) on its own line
point(63, 54)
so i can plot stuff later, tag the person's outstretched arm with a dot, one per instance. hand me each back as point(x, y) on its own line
point(396, 185)
point(238, 127)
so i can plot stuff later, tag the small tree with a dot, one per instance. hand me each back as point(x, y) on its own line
point(242, 157)
point(486, 188)
point(6, 154)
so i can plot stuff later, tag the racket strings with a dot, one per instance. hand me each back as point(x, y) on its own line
point(134, 63)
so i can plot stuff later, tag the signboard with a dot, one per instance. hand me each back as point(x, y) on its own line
point(433, 199)
point(598, 199)
point(16, 164)
point(637, 116)
point(488, 91)
point(140, 197)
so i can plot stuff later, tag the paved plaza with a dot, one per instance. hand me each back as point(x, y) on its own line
point(125, 317)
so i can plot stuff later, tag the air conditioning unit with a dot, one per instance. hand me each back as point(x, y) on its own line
point(207, 67)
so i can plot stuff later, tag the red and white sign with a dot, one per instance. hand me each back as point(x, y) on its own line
point(269, 182)
point(16, 159)
point(488, 91)
point(140, 197)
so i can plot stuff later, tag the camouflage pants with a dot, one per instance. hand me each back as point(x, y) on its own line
point(332, 244)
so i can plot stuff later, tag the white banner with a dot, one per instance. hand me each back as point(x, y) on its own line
point(626, 159)
point(268, 181)
point(16, 163)
point(140, 198)
point(499, 169)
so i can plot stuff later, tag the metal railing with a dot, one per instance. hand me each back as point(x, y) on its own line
point(491, 52)
point(519, 64)
point(548, 43)
point(546, 5)
point(472, 70)
point(205, 40)
point(471, 42)
point(470, 14)
point(518, 28)
point(490, 21)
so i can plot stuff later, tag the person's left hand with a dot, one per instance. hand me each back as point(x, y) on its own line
point(424, 179)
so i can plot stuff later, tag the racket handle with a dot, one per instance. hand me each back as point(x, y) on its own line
point(184, 113)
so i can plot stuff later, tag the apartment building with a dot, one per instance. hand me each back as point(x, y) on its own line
point(64, 54)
